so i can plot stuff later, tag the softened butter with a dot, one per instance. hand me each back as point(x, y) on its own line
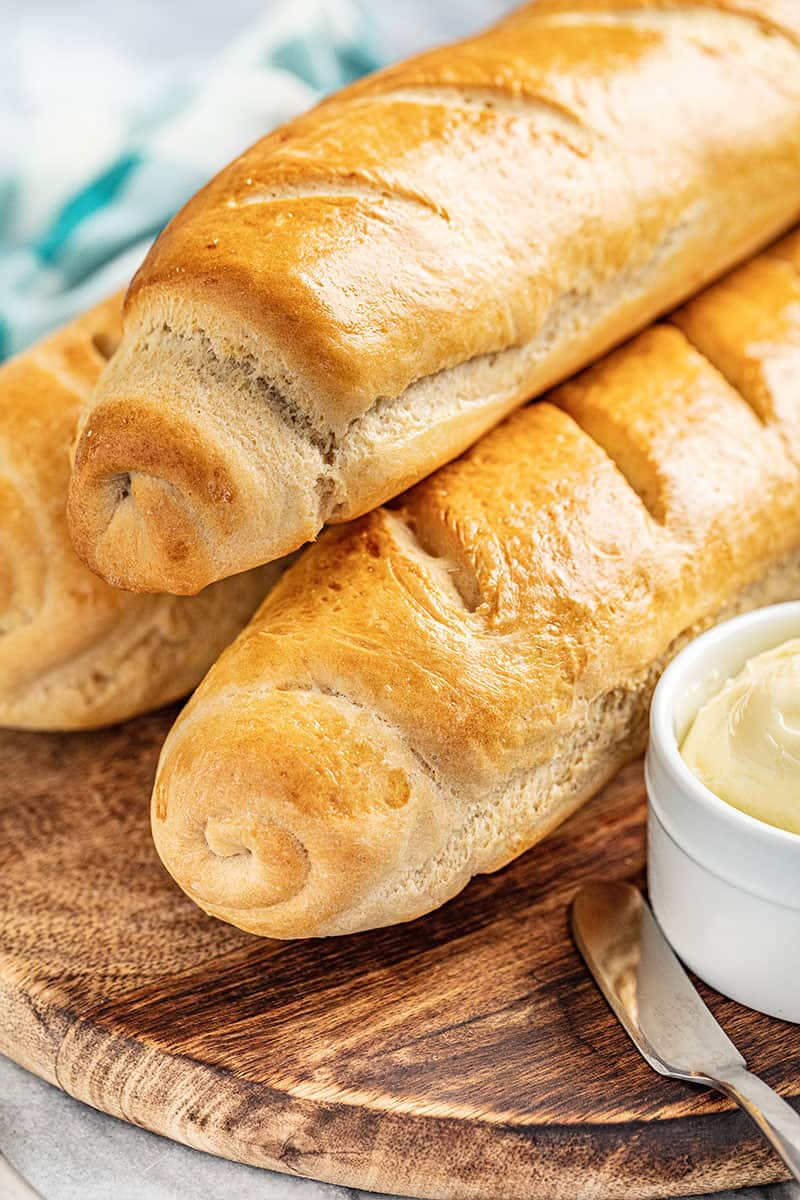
point(744, 743)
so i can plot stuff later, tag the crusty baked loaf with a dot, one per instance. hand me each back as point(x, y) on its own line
point(432, 688)
point(367, 290)
point(75, 652)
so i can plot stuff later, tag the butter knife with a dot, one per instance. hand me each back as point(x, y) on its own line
point(662, 1012)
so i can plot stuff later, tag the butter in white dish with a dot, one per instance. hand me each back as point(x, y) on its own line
point(744, 743)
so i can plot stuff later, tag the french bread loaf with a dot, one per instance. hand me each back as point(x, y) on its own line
point(75, 652)
point(431, 689)
point(362, 294)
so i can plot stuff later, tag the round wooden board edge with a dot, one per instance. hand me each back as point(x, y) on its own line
point(431, 1156)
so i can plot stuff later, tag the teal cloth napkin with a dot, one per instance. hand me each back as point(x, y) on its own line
point(94, 219)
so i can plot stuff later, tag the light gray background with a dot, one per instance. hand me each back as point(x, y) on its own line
point(66, 1150)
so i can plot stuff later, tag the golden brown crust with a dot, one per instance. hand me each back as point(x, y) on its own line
point(749, 329)
point(431, 688)
point(75, 652)
point(370, 288)
point(779, 16)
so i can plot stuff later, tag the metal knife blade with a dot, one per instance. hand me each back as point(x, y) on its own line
point(646, 985)
point(662, 1012)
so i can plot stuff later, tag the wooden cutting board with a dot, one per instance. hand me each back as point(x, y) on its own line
point(465, 1055)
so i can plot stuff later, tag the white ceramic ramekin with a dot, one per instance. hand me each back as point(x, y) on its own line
point(724, 887)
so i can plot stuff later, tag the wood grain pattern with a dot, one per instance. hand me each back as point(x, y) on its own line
point(466, 1055)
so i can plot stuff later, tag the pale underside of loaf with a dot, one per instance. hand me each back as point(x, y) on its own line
point(432, 688)
point(291, 381)
point(74, 652)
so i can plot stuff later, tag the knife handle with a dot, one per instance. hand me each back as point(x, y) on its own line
point(774, 1117)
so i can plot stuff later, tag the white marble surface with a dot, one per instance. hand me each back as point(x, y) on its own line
point(66, 1150)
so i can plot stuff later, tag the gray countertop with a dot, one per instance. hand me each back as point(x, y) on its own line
point(66, 1150)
